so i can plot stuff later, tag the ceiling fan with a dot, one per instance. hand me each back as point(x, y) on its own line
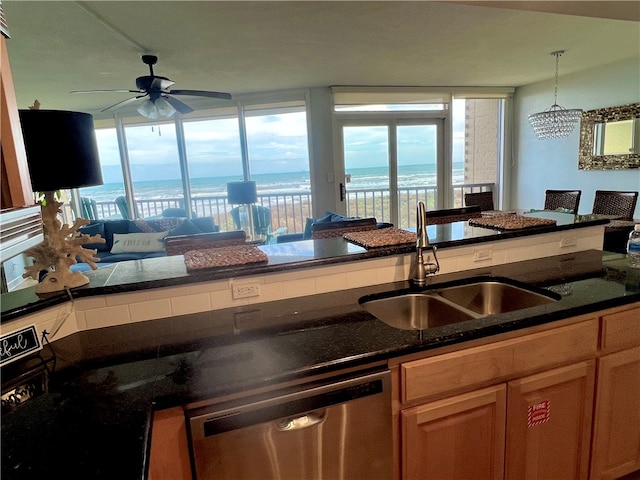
point(156, 91)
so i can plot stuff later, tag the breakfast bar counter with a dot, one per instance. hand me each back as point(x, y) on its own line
point(93, 418)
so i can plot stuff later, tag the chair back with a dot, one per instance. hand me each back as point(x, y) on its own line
point(449, 215)
point(619, 203)
point(337, 229)
point(568, 199)
point(261, 219)
point(89, 208)
point(483, 199)
point(123, 207)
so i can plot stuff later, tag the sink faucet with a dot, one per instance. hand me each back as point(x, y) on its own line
point(422, 243)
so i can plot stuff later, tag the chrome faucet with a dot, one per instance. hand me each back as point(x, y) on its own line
point(422, 268)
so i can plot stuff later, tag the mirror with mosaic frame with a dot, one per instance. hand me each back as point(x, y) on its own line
point(606, 134)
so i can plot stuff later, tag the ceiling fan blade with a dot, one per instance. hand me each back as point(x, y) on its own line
point(201, 93)
point(178, 105)
point(107, 91)
point(122, 103)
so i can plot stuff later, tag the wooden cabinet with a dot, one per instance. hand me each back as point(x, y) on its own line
point(169, 457)
point(16, 183)
point(535, 427)
point(560, 402)
point(455, 438)
point(549, 424)
point(616, 438)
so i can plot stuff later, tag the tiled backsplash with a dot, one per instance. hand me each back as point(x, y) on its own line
point(119, 309)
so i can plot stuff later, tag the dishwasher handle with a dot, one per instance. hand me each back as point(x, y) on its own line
point(303, 421)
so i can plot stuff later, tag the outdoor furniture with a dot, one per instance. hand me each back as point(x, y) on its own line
point(483, 199)
point(337, 229)
point(122, 204)
point(622, 204)
point(567, 199)
point(261, 222)
point(89, 208)
point(436, 217)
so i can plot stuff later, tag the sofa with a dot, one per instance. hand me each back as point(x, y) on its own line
point(139, 239)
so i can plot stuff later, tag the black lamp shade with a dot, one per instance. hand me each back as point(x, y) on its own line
point(242, 192)
point(61, 149)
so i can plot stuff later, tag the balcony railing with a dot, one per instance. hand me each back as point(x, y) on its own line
point(291, 209)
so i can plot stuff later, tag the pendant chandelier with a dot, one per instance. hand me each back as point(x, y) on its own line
point(556, 121)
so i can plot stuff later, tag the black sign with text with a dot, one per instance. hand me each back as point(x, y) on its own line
point(17, 344)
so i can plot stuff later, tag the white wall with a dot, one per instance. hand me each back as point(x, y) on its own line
point(541, 164)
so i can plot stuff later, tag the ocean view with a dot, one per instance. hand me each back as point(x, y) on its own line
point(291, 182)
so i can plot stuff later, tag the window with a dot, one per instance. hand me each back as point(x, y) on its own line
point(402, 142)
point(186, 163)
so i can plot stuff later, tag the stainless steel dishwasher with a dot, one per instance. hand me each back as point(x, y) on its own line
point(338, 429)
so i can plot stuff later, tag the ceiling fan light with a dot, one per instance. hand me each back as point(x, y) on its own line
point(148, 109)
point(165, 109)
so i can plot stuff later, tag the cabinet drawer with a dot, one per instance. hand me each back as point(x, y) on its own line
point(498, 361)
point(621, 330)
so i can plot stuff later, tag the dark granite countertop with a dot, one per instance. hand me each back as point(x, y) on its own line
point(94, 420)
point(168, 271)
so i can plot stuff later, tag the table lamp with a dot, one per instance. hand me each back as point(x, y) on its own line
point(244, 194)
point(62, 153)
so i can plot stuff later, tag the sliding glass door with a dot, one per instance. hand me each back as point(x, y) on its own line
point(390, 165)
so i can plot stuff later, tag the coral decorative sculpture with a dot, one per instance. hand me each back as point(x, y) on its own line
point(59, 249)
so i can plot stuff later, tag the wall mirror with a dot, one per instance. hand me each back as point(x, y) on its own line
point(610, 138)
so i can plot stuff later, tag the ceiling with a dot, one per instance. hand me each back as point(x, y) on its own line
point(242, 47)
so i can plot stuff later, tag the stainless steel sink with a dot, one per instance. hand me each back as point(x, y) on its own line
point(415, 311)
point(493, 297)
point(411, 310)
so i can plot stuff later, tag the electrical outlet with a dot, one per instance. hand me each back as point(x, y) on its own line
point(568, 241)
point(245, 290)
point(481, 255)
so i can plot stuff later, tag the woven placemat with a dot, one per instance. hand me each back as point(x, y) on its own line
point(224, 257)
point(382, 237)
point(511, 222)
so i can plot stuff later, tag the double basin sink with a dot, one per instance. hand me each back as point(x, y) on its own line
point(411, 309)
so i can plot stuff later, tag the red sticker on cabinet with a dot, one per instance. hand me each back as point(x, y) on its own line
point(538, 413)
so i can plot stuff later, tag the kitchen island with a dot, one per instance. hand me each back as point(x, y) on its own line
point(103, 385)
point(94, 419)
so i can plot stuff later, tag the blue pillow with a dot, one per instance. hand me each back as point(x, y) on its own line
point(95, 229)
point(185, 228)
point(205, 224)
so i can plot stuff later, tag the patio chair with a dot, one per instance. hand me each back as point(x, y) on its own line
point(261, 221)
point(123, 207)
point(483, 199)
point(621, 204)
point(89, 208)
point(567, 199)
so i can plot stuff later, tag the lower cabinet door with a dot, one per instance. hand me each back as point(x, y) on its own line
point(549, 424)
point(461, 437)
point(616, 435)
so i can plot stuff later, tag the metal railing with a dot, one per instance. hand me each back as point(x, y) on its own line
point(291, 209)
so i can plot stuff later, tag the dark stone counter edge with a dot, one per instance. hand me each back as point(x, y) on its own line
point(508, 322)
point(50, 300)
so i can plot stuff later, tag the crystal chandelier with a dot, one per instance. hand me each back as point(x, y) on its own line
point(556, 121)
